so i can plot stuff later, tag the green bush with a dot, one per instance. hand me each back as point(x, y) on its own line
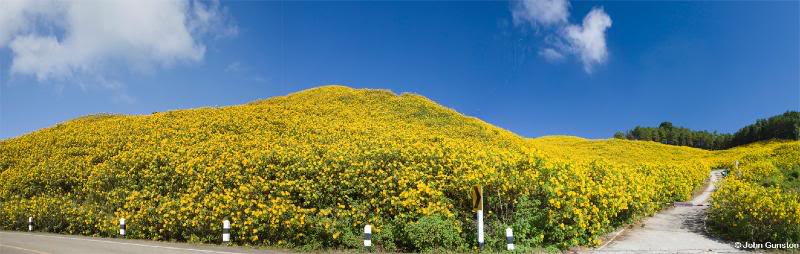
point(434, 232)
point(386, 239)
point(529, 221)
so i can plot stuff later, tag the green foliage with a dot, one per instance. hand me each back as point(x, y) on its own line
point(434, 232)
point(388, 237)
point(785, 126)
point(529, 220)
point(667, 133)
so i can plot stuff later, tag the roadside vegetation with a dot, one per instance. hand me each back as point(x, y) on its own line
point(310, 169)
point(760, 200)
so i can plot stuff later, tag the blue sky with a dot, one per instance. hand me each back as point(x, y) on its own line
point(704, 65)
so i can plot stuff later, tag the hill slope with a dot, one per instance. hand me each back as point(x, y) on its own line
point(760, 200)
point(615, 150)
point(311, 168)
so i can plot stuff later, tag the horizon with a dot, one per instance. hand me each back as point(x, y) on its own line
point(584, 69)
point(343, 85)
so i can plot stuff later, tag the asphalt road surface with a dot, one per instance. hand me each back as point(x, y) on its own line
point(45, 243)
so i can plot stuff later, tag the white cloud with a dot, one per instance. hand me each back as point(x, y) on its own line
point(61, 40)
point(589, 40)
point(540, 12)
point(210, 18)
point(17, 16)
point(551, 54)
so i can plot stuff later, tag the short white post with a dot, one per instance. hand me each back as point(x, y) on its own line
point(122, 227)
point(738, 172)
point(509, 239)
point(367, 236)
point(477, 206)
point(226, 231)
point(30, 223)
point(480, 229)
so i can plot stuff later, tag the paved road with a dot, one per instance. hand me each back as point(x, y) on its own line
point(44, 243)
point(677, 230)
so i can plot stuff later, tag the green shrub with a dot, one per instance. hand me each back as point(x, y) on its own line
point(529, 221)
point(386, 238)
point(434, 232)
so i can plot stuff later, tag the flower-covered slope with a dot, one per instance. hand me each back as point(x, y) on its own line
point(311, 168)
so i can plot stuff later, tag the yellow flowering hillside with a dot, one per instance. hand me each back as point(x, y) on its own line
point(760, 200)
point(617, 150)
point(310, 169)
point(628, 179)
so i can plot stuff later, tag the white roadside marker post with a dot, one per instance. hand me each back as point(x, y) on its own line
point(509, 239)
point(480, 229)
point(477, 206)
point(122, 227)
point(226, 231)
point(367, 236)
point(30, 223)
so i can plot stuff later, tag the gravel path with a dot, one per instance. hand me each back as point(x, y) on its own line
point(679, 229)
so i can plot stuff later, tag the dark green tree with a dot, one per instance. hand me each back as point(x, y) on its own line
point(784, 126)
